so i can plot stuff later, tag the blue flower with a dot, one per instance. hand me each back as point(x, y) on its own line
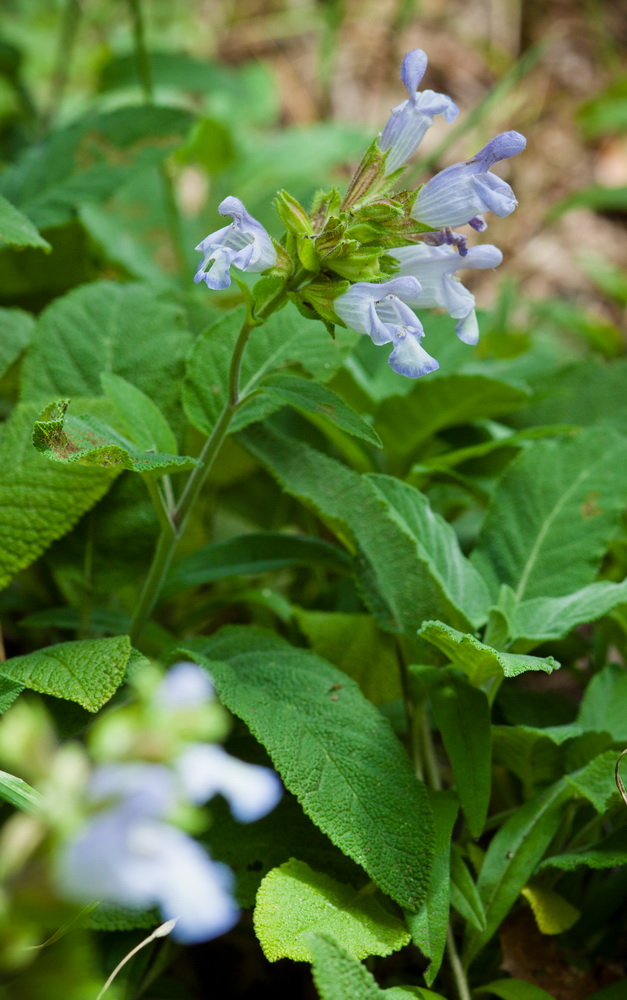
point(460, 193)
point(434, 267)
point(410, 120)
point(244, 244)
point(206, 769)
point(184, 686)
point(381, 312)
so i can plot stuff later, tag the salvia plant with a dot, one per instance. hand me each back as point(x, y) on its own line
point(431, 531)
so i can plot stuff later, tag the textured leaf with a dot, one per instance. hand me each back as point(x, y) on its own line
point(260, 552)
point(596, 781)
point(355, 644)
point(545, 618)
point(449, 401)
point(337, 975)
point(478, 661)
point(17, 230)
point(351, 776)
point(553, 515)
point(513, 854)
point(294, 900)
point(430, 925)
point(610, 852)
point(515, 989)
point(588, 392)
point(285, 339)
point(19, 794)
point(88, 671)
point(9, 691)
point(536, 756)
point(88, 440)
point(145, 424)
point(89, 159)
point(462, 714)
point(39, 502)
point(602, 708)
point(16, 327)
point(126, 329)
point(311, 397)
point(464, 894)
point(409, 559)
point(553, 913)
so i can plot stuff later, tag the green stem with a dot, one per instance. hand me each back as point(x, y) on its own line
point(141, 52)
point(456, 966)
point(67, 37)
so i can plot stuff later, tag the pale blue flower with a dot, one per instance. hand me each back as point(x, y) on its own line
point(185, 685)
point(460, 193)
point(381, 312)
point(244, 244)
point(206, 769)
point(434, 268)
point(410, 120)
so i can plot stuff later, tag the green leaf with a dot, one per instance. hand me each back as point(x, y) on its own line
point(144, 422)
point(337, 975)
point(17, 230)
point(16, 327)
point(512, 857)
point(294, 900)
point(610, 852)
point(536, 756)
point(430, 925)
point(88, 671)
point(602, 708)
point(553, 515)
point(19, 793)
point(355, 644)
point(351, 775)
point(407, 421)
point(553, 914)
point(310, 397)
point(409, 559)
point(588, 392)
point(515, 989)
point(286, 339)
point(478, 661)
point(464, 894)
point(259, 552)
point(596, 781)
point(88, 440)
point(124, 329)
point(40, 502)
point(89, 159)
point(462, 714)
point(545, 618)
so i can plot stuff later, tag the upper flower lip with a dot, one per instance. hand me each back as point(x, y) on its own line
point(244, 244)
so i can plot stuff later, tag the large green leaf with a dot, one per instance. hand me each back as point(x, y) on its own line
point(337, 975)
point(16, 327)
point(540, 756)
point(311, 397)
point(87, 160)
point(287, 338)
point(545, 618)
point(87, 671)
point(350, 774)
point(88, 440)
point(294, 900)
point(596, 781)
point(39, 502)
point(125, 329)
point(409, 559)
point(478, 661)
point(602, 708)
point(430, 925)
point(143, 420)
point(553, 515)
point(512, 857)
point(17, 230)
point(462, 714)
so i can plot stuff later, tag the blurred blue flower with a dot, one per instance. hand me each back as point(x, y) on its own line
point(410, 120)
point(185, 685)
point(381, 312)
point(206, 769)
point(244, 244)
point(460, 193)
point(434, 268)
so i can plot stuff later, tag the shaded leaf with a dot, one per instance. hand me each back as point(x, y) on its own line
point(16, 327)
point(545, 618)
point(602, 708)
point(310, 397)
point(17, 230)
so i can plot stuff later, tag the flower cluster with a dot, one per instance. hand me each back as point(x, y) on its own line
point(369, 260)
point(129, 851)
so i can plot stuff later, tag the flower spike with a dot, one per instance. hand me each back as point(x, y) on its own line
point(244, 244)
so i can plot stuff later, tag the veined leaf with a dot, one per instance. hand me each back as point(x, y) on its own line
point(40, 502)
point(311, 397)
point(337, 975)
point(88, 440)
point(17, 230)
point(596, 781)
point(294, 900)
point(545, 618)
point(478, 661)
point(553, 515)
point(88, 671)
point(144, 422)
point(351, 775)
